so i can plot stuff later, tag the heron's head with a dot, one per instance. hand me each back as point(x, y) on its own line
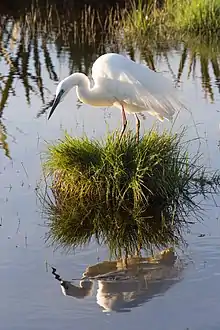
point(62, 89)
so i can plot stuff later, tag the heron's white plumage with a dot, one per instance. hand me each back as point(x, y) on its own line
point(119, 81)
point(135, 86)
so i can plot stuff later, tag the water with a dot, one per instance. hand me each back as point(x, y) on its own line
point(31, 297)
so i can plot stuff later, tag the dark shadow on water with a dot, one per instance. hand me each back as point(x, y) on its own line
point(121, 289)
point(11, 6)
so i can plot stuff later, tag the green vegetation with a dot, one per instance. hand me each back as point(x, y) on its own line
point(198, 17)
point(125, 195)
point(3, 140)
point(194, 16)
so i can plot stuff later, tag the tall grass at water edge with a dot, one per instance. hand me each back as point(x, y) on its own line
point(194, 16)
point(198, 17)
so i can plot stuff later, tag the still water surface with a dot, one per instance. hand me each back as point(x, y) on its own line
point(31, 297)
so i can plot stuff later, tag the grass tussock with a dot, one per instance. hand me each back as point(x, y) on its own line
point(123, 194)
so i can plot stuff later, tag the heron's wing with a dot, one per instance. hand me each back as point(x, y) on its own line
point(136, 85)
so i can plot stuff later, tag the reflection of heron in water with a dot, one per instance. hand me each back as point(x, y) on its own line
point(121, 289)
point(69, 289)
point(123, 295)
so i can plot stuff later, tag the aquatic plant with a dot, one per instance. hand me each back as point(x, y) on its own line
point(123, 194)
point(141, 19)
point(198, 17)
point(193, 16)
point(3, 139)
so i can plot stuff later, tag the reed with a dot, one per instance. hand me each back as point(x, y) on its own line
point(200, 17)
point(180, 17)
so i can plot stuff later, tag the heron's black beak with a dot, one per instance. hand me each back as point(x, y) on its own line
point(55, 104)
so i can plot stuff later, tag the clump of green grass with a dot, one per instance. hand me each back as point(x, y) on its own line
point(123, 194)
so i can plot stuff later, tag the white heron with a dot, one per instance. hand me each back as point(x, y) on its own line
point(119, 81)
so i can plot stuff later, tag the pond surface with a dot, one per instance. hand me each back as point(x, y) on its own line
point(31, 62)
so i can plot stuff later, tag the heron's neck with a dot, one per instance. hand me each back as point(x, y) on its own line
point(87, 94)
point(82, 83)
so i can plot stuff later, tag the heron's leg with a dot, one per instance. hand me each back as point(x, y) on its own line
point(126, 259)
point(124, 121)
point(138, 250)
point(137, 127)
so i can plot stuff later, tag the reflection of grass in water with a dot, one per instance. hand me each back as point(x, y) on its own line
point(3, 140)
point(124, 194)
point(23, 39)
point(18, 60)
point(208, 62)
point(206, 54)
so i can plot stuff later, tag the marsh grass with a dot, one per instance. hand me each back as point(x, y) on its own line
point(3, 140)
point(123, 194)
point(141, 19)
point(201, 17)
point(174, 18)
